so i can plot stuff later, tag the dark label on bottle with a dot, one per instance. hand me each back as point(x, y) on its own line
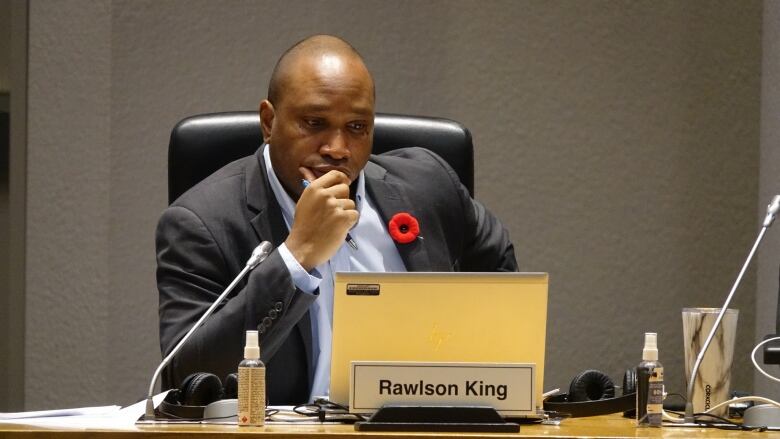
point(650, 396)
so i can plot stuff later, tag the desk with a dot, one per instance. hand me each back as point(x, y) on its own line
point(611, 426)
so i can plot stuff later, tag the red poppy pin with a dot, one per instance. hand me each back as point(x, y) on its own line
point(404, 228)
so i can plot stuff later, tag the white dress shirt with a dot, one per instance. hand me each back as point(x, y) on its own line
point(375, 252)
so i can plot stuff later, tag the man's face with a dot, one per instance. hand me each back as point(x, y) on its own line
point(323, 120)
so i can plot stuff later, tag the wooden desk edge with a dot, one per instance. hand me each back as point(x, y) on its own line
point(611, 426)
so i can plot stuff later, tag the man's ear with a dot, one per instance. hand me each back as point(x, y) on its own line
point(267, 114)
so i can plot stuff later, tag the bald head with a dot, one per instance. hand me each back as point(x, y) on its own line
point(322, 51)
point(319, 115)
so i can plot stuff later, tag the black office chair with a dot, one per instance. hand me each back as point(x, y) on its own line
point(204, 143)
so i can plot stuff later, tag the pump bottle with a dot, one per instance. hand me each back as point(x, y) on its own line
point(650, 385)
point(251, 384)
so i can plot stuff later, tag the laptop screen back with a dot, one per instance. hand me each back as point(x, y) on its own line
point(437, 317)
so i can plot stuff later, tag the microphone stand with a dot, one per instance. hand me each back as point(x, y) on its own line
point(772, 209)
point(258, 255)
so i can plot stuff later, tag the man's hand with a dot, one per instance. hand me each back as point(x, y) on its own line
point(323, 216)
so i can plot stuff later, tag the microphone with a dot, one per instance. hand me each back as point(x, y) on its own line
point(258, 255)
point(771, 212)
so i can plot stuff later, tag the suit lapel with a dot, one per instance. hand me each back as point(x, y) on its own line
point(269, 225)
point(390, 199)
point(267, 220)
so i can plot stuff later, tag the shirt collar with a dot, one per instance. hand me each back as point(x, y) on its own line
point(286, 202)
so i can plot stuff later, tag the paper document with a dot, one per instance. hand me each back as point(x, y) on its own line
point(61, 412)
point(110, 417)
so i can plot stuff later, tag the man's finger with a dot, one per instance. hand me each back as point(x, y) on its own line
point(333, 178)
point(340, 191)
point(307, 174)
point(353, 216)
point(347, 204)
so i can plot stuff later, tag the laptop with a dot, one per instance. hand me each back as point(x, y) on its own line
point(437, 317)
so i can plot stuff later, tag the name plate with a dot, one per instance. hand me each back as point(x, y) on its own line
point(507, 387)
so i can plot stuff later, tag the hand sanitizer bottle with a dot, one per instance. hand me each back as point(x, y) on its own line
point(251, 384)
point(650, 385)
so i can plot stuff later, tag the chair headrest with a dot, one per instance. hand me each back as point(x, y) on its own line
point(202, 144)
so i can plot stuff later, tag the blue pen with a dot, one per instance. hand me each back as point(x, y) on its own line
point(349, 239)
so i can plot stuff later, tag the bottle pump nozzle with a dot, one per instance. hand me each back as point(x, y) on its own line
point(650, 351)
point(252, 348)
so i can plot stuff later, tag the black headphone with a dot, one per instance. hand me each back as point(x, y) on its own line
point(592, 393)
point(196, 392)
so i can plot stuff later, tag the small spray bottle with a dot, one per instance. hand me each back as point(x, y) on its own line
point(650, 385)
point(251, 384)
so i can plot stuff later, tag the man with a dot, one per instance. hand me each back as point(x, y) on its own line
point(314, 191)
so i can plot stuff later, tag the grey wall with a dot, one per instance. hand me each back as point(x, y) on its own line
point(12, 272)
point(5, 46)
point(5, 306)
point(619, 142)
point(769, 255)
point(70, 338)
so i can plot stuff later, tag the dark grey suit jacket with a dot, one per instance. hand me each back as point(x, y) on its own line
point(205, 237)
